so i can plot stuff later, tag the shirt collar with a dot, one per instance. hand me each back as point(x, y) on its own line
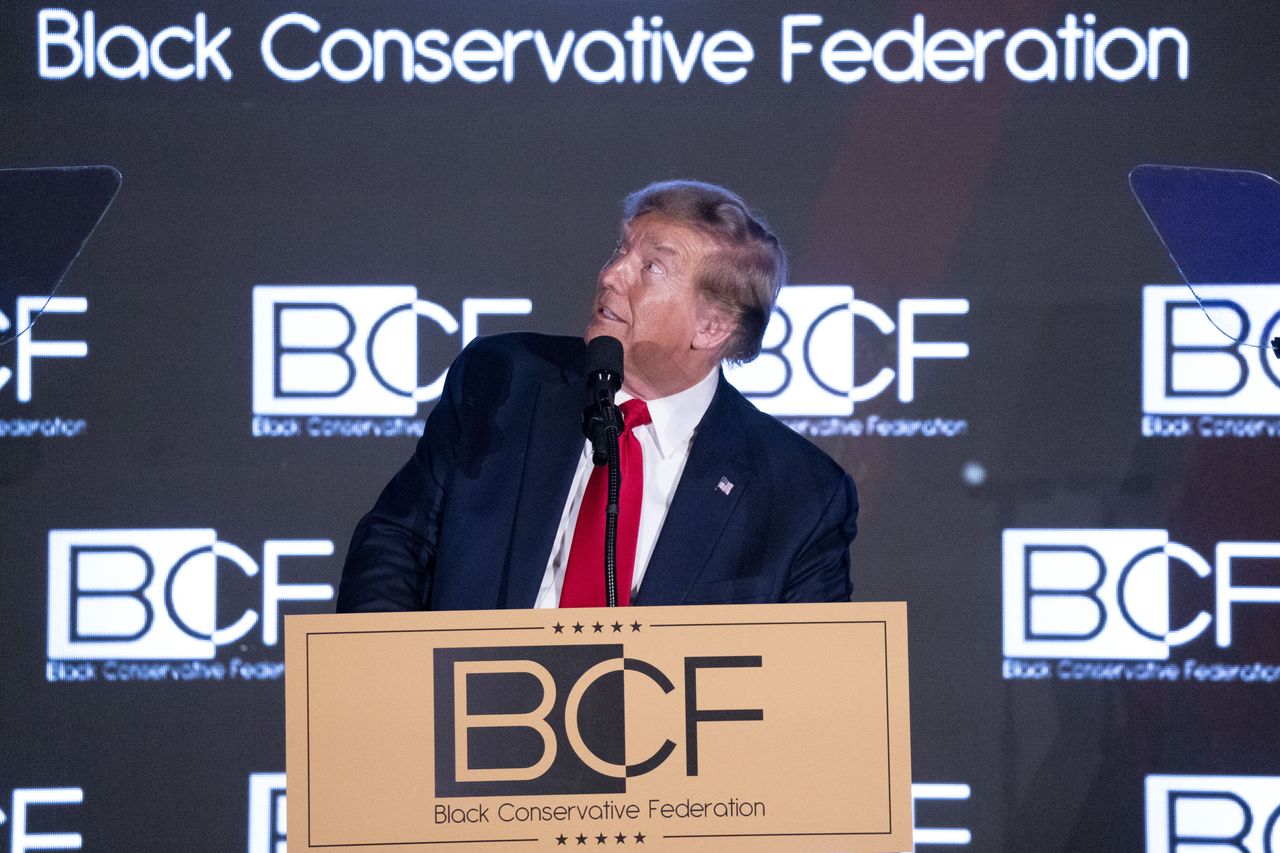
point(676, 416)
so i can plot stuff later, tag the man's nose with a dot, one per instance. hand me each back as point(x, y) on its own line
point(613, 276)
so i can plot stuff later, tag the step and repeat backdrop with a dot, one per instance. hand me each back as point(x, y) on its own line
point(1070, 477)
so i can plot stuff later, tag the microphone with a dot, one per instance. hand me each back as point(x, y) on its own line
point(604, 367)
point(604, 378)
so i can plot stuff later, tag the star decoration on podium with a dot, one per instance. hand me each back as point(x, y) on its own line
point(577, 628)
point(602, 838)
point(617, 627)
point(635, 627)
point(597, 628)
point(558, 628)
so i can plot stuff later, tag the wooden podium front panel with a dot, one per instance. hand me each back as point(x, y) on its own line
point(724, 728)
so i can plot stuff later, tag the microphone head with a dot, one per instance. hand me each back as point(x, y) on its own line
point(604, 378)
point(604, 356)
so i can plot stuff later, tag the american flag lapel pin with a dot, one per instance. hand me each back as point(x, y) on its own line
point(724, 485)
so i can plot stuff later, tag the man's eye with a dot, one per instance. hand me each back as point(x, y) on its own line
point(653, 267)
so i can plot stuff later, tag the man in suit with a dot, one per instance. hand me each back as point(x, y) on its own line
point(500, 506)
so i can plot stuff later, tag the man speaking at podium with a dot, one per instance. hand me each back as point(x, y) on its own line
point(500, 504)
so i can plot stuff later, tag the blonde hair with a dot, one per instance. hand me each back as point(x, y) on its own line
point(744, 273)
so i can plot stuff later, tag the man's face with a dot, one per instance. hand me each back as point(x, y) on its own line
point(646, 297)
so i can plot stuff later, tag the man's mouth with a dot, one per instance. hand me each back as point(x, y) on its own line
point(609, 315)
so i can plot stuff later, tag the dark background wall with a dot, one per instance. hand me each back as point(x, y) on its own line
point(1009, 195)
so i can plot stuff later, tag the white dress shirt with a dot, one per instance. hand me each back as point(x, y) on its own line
point(665, 445)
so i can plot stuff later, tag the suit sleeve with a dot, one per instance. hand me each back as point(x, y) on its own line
point(392, 557)
point(821, 571)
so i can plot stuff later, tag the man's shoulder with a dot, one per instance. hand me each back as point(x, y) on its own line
point(776, 444)
point(535, 343)
point(525, 353)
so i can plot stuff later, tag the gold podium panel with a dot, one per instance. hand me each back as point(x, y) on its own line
point(715, 728)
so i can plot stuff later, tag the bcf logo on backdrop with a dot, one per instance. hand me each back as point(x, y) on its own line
point(1104, 594)
point(1192, 813)
point(350, 349)
point(268, 815)
point(153, 594)
point(1189, 367)
point(22, 837)
point(806, 363)
point(28, 347)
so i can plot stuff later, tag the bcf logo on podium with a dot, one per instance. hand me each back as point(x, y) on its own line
point(1191, 367)
point(1186, 814)
point(1104, 594)
point(551, 719)
point(806, 365)
point(153, 594)
point(348, 350)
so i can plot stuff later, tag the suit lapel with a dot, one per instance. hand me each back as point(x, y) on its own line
point(701, 507)
point(555, 442)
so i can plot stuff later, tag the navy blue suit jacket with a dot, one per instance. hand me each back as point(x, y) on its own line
point(469, 522)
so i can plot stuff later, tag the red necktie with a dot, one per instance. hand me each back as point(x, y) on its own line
point(584, 575)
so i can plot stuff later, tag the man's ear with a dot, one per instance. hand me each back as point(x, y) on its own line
point(713, 330)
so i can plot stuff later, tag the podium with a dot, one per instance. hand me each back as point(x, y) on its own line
point(713, 728)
